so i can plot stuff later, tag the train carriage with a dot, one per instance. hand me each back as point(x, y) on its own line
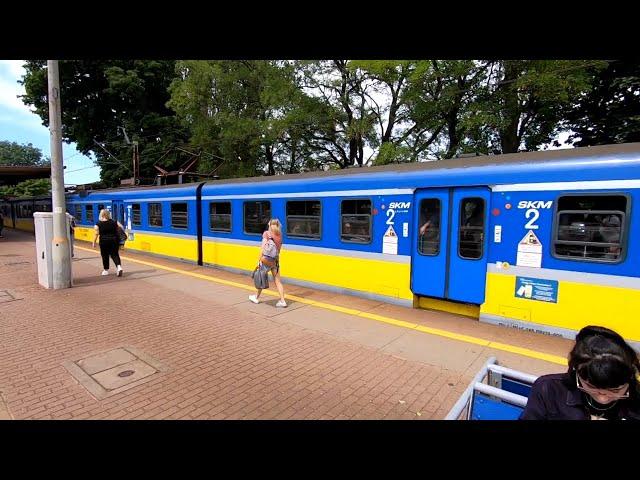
point(545, 241)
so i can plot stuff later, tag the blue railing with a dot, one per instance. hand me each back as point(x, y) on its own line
point(495, 393)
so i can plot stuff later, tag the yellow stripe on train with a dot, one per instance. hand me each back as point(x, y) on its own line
point(615, 307)
point(388, 279)
point(25, 224)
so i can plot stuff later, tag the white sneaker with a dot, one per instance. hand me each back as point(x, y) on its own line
point(119, 271)
point(105, 272)
point(254, 299)
point(281, 303)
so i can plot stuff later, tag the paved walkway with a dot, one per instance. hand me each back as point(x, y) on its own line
point(326, 356)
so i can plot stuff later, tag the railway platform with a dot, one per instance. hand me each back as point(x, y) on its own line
point(171, 340)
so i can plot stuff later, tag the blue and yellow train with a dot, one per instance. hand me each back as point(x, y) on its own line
point(546, 241)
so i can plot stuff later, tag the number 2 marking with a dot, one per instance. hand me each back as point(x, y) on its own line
point(531, 223)
point(390, 213)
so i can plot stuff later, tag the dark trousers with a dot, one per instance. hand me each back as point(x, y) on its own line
point(109, 249)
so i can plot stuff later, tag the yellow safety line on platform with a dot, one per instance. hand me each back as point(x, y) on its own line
point(372, 316)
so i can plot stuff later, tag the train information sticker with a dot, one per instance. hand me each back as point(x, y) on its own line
point(529, 251)
point(390, 242)
point(537, 289)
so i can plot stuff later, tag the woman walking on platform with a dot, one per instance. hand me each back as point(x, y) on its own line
point(270, 258)
point(107, 230)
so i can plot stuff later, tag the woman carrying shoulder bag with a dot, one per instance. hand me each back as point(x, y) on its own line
point(107, 230)
point(270, 258)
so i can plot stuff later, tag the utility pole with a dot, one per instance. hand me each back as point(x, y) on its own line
point(60, 245)
point(136, 163)
point(136, 156)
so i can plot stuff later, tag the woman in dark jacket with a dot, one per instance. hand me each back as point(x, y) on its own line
point(107, 230)
point(602, 382)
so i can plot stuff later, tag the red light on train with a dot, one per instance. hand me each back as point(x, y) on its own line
point(495, 212)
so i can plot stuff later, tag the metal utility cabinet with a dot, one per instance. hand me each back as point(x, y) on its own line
point(44, 236)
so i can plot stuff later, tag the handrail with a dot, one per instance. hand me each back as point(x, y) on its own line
point(518, 400)
point(457, 409)
point(516, 375)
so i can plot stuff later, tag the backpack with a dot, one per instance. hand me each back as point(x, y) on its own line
point(270, 249)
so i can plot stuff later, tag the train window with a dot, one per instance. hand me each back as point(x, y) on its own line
point(471, 231)
point(220, 216)
point(590, 228)
point(136, 217)
point(26, 210)
point(429, 227)
point(256, 216)
point(89, 213)
point(78, 212)
point(155, 214)
point(100, 208)
point(303, 219)
point(355, 221)
point(42, 207)
point(179, 215)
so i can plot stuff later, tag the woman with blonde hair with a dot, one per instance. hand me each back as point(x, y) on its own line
point(270, 258)
point(107, 230)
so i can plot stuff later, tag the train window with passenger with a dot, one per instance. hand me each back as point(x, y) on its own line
point(471, 230)
point(220, 216)
point(355, 221)
point(88, 211)
point(256, 217)
point(179, 215)
point(303, 219)
point(155, 214)
point(429, 227)
point(136, 216)
point(590, 227)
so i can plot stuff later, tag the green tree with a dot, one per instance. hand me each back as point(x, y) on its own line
point(28, 188)
point(101, 100)
point(609, 111)
point(12, 153)
point(244, 117)
point(343, 121)
point(523, 102)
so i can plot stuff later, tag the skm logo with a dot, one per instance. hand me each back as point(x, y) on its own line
point(537, 204)
point(397, 205)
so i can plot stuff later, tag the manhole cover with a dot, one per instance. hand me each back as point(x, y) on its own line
point(109, 372)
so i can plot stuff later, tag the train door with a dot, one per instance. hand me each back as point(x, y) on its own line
point(118, 211)
point(468, 258)
point(429, 262)
point(449, 257)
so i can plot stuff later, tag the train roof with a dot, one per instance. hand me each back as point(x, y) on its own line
point(621, 161)
point(626, 151)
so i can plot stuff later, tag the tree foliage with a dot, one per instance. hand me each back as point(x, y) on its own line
point(12, 153)
point(101, 100)
point(28, 188)
point(609, 111)
point(252, 117)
